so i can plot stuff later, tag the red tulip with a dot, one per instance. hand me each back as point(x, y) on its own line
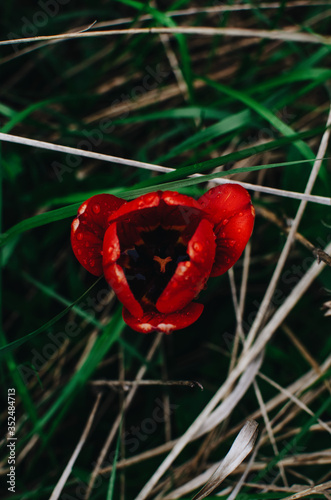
point(158, 251)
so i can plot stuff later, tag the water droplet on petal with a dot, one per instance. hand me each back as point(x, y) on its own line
point(75, 225)
point(110, 249)
point(225, 221)
point(222, 235)
point(150, 198)
point(82, 209)
point(240, 214)
point(92, 263)
point(197, 246)
point(79, 252)
point(80, 236)
point(231, 243)
point(96, 208)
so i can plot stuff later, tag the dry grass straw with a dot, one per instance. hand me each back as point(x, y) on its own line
point(216, 474)
point(156, 168)
point(290, 35)
point(67, 471)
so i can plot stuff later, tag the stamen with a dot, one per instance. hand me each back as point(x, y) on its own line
point(162, 262)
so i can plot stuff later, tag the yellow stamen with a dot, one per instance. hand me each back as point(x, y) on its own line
point(162, 262)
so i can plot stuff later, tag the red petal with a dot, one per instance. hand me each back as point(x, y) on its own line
point(88, 229)
point(114, 273)
point(172, 198)
point(167, 323)
point(111, 246)
point(191, 276)
point(180, 211)
point(143, 202)
point(229, 207)
point(115, 276)
point(167, 208)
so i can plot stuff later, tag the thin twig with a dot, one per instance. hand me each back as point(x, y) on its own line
point(248, 467)
point(214, 10)
point(310, 491)
point(126, 384)
point(295, 400)
point(290, 34)
point(121, 376)
point(67, 471)
point(239, 331)
point(268, 427)
point(272, 217)
point(305, 353)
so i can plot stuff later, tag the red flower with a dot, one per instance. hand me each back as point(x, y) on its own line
point(158, 251)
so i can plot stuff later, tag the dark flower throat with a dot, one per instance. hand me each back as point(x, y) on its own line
point(150, 265)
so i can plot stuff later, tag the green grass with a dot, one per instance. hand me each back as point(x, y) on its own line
point(251, 109)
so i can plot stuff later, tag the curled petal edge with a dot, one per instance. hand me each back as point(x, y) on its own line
point(230, 209)
point(88, 229)
point(158, 200)
point(167, 323)
point(191, 276)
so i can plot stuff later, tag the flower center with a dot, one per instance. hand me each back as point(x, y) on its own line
point(162, 262)
point(151, 261)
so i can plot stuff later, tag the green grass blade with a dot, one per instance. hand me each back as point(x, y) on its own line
point(229, 124)
point(100, 348)
point(198, 180)
point(111, 485)
point(182, 172)
point(83, 314)
point(264, 112)
point(39, 220)
point(13, 345)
